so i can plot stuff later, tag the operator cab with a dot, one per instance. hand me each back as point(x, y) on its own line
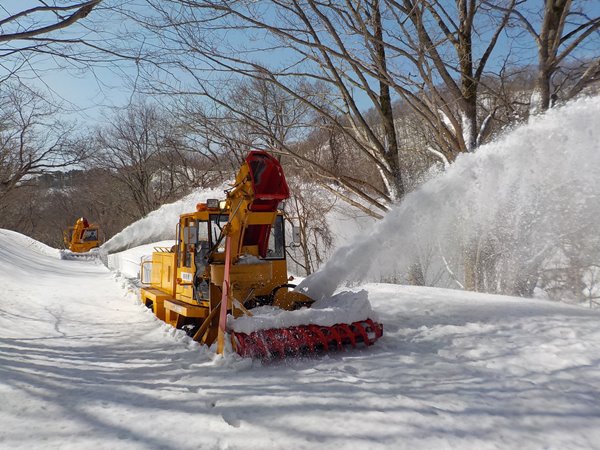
point(202, 243)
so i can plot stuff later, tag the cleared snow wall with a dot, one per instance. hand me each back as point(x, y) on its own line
point(520, 216)
point(159, 225)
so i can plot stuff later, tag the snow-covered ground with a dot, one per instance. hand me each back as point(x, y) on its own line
point(83, 365)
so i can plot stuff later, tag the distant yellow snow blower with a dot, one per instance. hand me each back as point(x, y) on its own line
point(229, 258)
point(80, 239)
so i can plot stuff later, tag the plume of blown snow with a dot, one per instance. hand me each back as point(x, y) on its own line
point(159, 225)
point(517, 202)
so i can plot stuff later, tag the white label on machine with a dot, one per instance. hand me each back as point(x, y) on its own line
point(185, 276)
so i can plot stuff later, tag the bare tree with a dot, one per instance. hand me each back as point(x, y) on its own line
point(314, 64)
point(36, 21)
point(52, 29)
point(252, 114)
point(307, 209)
point(143, 149)
point(258, 115)
point(560, 30)
point(446, 48)
point(353, 57)
point(33, 140)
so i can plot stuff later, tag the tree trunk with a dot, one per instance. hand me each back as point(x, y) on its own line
point(416, 277)
point(540, 99)
point(468, 83)
point(385, 100)
point(470, 268)
point(549, 41)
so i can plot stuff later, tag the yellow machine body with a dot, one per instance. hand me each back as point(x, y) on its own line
point(82, 237)
point(230, 257)
point(185, 288)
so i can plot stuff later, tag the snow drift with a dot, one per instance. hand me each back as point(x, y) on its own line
point(159, 225)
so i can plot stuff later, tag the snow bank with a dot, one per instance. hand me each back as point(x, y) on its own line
point(13, 240)
point(128, 261)
point(518, 202)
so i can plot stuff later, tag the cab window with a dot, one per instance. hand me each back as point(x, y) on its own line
point(276, 248)
point(217, 222)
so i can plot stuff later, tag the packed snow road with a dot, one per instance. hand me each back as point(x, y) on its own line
point(82, 365)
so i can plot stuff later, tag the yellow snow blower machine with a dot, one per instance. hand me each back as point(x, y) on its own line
point(80, 240)
point(230, 258)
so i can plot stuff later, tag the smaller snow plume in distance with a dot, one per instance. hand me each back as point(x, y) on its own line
point(528, 195)
point(159, 225)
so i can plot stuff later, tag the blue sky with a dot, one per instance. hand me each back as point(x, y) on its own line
point(83, 92)
point(91, 92)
